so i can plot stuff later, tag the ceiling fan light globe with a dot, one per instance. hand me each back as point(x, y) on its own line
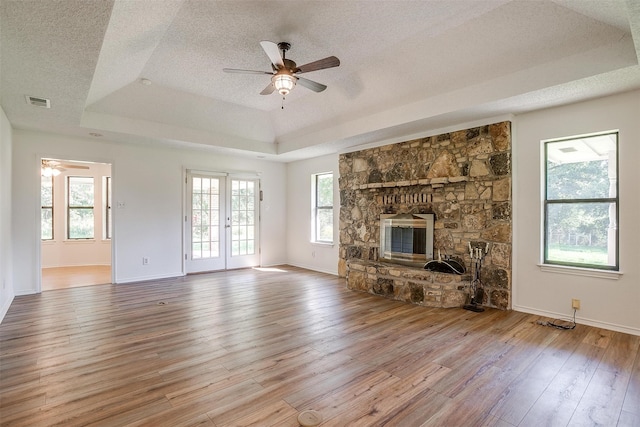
point(284, 83)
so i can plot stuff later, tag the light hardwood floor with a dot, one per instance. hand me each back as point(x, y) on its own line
point(73, 277)
point(250, 347)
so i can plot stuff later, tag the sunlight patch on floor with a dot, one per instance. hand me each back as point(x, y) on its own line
point(270, 269)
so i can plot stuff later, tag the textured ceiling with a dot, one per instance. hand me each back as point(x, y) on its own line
point(406, 67)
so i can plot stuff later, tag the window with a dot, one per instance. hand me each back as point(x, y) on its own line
point(80, 207)
point(581, 202)
point(323, 208)
point(46, 200)
point(107, 207)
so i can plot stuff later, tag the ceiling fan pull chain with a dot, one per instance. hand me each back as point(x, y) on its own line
point(282, 108)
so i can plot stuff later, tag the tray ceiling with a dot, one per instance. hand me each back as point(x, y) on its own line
point(406, 67)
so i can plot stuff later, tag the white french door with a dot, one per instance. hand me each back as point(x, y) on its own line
point(243, 219)
point(221, 222)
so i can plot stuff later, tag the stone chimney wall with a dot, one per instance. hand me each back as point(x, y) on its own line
point(464, 177)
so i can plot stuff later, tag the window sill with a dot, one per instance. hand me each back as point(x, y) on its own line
point(327, 244)
point(579, 271)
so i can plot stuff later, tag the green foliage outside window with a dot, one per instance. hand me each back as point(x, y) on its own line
point(581, 202)
point(324, 208)
point(46, 213)
point(80, 200)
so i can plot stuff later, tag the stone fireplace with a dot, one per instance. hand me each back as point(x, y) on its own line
point(462, 180)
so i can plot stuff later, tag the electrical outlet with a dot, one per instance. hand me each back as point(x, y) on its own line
point(575, 304)
point(145, 260)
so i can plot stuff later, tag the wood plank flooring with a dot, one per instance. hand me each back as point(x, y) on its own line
point(255, 348)
point(72, 277)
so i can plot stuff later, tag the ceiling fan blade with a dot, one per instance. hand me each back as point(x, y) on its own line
point(235, 70)
point(310, 84)
point(268, 90)
point(272, 51)
point(320, 64)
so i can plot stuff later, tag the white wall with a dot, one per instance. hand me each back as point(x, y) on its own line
point(6, 266)
point(611, 304)
point(61, 252)
point(300, 251)
point(150, 182)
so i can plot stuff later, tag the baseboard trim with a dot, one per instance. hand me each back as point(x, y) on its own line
point(579, 320)
point(77, 265)
point(148, 278)
point(312, 268)
point(5, 307)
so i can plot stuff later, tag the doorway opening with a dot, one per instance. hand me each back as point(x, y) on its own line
point(76, 225)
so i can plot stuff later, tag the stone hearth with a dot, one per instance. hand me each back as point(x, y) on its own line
point(464, 178)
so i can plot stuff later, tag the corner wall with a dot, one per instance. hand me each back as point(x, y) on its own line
point(301, 252)
point(6, 265)
point(607, 303)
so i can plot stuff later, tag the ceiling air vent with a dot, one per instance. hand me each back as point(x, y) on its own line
point(568, 150)
point(38, 102)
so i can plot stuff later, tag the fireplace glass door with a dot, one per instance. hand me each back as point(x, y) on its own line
point(406, 238)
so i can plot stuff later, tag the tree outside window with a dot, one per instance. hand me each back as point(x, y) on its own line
point(80, 201)
point(581, 202)
point(107, 207)
point(323, 208)
point(46, 213)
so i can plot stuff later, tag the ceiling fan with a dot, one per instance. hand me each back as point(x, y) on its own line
point(285, 72)
point(54, 167)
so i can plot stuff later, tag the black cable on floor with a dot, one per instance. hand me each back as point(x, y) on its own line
point(554, 323)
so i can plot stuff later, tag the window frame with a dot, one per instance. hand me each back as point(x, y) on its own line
point(316, 208)
point(610, 200)
point(50, 207)
point(108, 224)
point(70, 207)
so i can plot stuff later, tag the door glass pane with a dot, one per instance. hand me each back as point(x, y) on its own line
point(205, 218)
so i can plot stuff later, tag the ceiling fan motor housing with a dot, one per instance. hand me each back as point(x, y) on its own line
point(290, 65)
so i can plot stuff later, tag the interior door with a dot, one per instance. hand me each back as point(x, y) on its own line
point(243, 247)
point(205, 227)
point(221, 222)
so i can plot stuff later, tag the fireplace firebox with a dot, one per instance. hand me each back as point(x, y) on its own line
point(406, 238)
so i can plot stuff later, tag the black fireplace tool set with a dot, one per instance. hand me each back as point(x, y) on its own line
point(476, 290)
